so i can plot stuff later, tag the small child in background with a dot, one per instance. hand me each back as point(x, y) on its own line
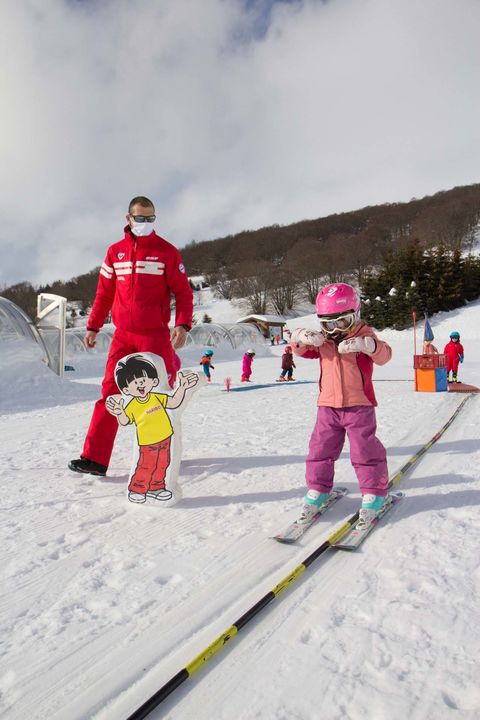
point(454, 352)
point(347, 349)
point(287, 365)
point(206, 363)
point(247, 365)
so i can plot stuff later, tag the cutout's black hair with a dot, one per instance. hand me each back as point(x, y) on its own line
point(135, 367)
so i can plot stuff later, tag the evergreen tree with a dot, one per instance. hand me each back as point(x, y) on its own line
point(471, 277)
point(426, 281)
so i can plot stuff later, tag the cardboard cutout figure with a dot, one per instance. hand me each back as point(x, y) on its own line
point(146, 403)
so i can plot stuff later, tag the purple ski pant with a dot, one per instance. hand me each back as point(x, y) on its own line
point(367, 454)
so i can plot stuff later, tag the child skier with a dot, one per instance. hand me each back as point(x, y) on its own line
point(247, 365)
point(454, 352)
point(287, 365)
point(347, 349)
point(206, 363)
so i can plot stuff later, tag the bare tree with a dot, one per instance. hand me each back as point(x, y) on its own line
point(283, 290)
point(222, 284)
point(254, 291)
point(252, 285)
point(305, 263)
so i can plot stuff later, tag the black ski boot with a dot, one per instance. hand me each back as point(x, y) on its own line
point(84, 465)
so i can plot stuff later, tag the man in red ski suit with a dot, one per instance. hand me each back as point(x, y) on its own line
point(454, 352)
point(137, 279)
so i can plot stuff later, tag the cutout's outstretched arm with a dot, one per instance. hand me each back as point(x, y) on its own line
point(185, 383)
point(115, 407)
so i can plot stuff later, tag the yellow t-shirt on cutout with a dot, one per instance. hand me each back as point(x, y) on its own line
point(151, 418)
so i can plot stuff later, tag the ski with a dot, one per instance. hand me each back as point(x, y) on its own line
point(357, 534)
point(295, 529)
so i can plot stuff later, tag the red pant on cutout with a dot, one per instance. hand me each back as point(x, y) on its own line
point(151, 467)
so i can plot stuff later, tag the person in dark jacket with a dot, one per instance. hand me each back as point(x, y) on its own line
point(287, 365)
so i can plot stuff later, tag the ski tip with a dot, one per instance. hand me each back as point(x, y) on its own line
point(284, 541)
point(348, 548)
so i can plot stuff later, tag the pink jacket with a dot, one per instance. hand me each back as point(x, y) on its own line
point(346, 380)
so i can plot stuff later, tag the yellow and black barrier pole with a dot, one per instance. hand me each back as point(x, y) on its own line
point(288, 580)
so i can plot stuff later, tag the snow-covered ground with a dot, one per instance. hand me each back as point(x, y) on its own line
point(102, 601)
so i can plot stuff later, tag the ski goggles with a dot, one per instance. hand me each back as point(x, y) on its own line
point(339, 323)
point(143, 218)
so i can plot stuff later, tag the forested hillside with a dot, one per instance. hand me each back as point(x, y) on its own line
point(346, 241)
point(420, 248)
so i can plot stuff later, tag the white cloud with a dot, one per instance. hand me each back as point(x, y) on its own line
point(333, 106)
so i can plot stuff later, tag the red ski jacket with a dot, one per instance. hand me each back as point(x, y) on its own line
point(453, 349)
point(137, 279)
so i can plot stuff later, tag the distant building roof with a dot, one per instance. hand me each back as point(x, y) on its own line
point(268, 319)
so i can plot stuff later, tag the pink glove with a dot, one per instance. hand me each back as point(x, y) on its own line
point(301, 337)
point(364, 344)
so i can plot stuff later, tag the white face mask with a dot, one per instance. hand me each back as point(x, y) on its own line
point(142, 229)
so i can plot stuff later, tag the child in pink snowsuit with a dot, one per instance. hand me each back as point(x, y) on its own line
point(247, 365)
point(347, 350)
point(454, 352)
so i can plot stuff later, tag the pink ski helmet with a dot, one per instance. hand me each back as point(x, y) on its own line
point(337, 299)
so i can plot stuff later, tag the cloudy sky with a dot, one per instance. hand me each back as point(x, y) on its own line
point(229, 114)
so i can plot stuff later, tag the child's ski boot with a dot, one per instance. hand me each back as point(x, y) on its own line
point(313, 497)
point(312, 501)
point(371, 504)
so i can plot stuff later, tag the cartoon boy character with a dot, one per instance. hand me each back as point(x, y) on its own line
point(137, 377)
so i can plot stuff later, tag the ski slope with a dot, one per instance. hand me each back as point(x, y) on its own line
point(101, 601)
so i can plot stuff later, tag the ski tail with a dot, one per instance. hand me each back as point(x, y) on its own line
point(298, 527)
point(355, 537)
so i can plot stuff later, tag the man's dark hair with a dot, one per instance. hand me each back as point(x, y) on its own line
point(134, 367)
point(140, 200)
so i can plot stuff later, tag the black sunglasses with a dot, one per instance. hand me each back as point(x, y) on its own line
point(143, 218)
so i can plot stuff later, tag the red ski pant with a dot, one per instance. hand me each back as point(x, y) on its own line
point(367, 454)
point(151, 469)
point(103, 427)
point(452, 363)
